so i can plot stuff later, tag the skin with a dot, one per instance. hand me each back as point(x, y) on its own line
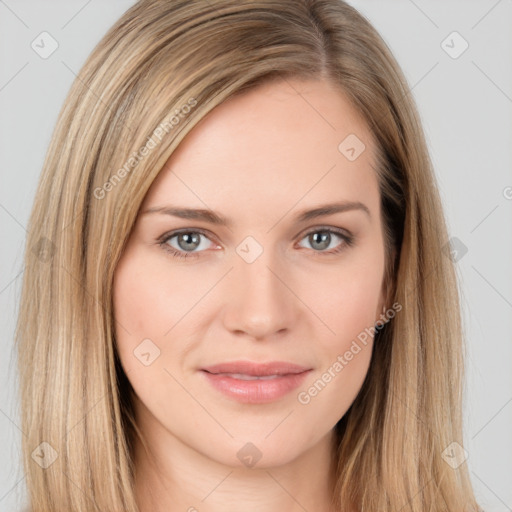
point(257, 159)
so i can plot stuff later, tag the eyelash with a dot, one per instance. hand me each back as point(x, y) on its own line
point(348, 241)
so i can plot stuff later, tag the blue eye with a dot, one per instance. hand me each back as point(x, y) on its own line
point(322, 238)
point(189, 242)
point(186, 240)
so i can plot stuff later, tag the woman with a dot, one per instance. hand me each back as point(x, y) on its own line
point(200, 350)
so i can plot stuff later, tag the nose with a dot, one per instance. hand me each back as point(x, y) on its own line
point(260, 299)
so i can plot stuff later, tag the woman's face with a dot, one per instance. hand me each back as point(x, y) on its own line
point(271, 284)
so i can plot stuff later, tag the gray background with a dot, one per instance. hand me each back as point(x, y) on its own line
point(466, 107)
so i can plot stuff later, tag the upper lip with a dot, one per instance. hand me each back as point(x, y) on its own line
point(257, 369)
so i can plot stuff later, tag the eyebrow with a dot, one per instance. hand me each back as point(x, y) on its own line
point(219, 220)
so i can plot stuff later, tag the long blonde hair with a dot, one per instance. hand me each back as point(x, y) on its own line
point(157, 72)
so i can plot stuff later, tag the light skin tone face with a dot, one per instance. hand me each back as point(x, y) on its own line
point(258, 160)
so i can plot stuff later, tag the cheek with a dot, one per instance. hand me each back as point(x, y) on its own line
point(348, 308)
point(142, 309)
point(349, 299)
point(352, 308)
point(149, 298)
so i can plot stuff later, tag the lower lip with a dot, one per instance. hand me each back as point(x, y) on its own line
point(256, 391)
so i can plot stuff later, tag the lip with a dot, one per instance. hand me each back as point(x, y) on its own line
point(227, 378)
point(257, 369)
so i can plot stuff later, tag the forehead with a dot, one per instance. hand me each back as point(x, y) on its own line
point(282, 142)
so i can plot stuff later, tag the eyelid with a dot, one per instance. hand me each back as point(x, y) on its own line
point(314, 229)
point(175, 232)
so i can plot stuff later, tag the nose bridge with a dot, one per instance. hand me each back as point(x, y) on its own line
point(258, 302)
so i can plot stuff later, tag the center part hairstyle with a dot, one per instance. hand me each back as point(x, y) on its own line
point(158, 72)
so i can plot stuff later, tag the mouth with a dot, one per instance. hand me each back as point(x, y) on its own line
point(242, 376)
point(254, 369)
point(255, 383)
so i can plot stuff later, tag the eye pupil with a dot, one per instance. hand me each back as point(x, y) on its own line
point(191, 240)
point(321, 237)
